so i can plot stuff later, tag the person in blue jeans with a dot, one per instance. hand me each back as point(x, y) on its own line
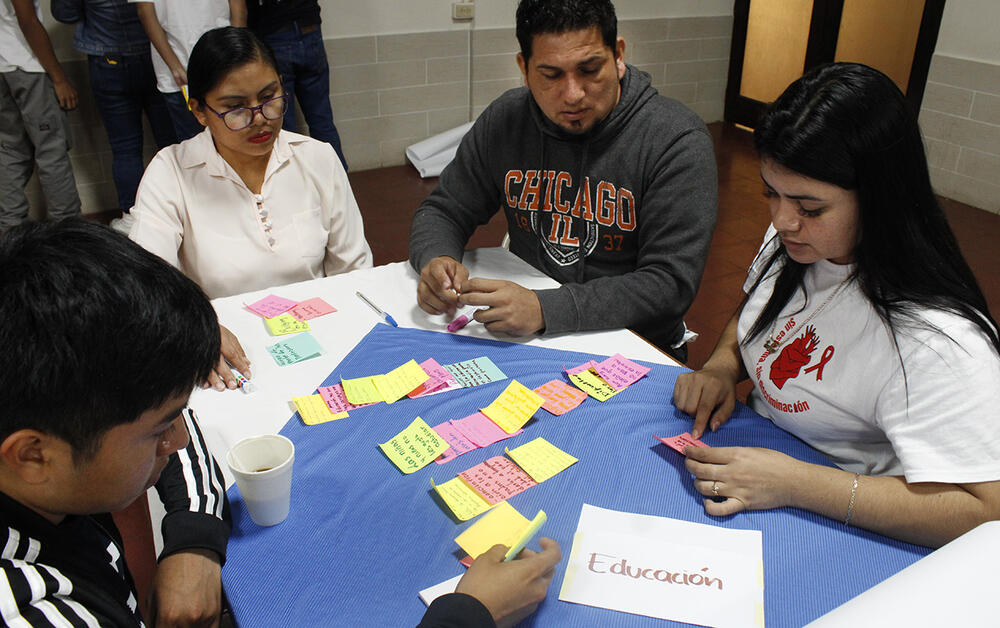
point(123, 84)
point(292, 29)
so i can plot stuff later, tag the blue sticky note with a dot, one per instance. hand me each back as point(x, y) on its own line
point(301, 347)
point(475, 372)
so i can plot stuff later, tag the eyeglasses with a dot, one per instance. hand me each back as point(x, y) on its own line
point(242, 117)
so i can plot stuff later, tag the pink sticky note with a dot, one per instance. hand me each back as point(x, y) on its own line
point(620, 372)
point(271, 305)
point(679, 442)
point(440, 380)
point(459, 443)
point(311, 308)
point(560, 397)
point(479, 429)
point(336, 399)
point(467, 561)
point(497, 479)
point(583, 367)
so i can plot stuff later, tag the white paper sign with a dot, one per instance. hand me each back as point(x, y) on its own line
point(430, 594)
point(666, 568)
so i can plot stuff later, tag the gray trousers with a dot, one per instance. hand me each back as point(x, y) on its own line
point(33, 130)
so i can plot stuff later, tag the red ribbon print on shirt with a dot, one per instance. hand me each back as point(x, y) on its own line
point(794, 356)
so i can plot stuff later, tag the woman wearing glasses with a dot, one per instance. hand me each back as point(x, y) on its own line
point(244, 205)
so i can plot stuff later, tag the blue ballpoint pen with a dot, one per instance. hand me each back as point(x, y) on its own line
point(378, 311)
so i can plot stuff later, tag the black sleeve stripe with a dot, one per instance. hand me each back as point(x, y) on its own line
point(27, 598)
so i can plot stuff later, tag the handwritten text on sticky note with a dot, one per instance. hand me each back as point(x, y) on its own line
point(283, 324)
point(311, 308)
point(475, 372)
point(413, 448)
point(314, 410)
point(541, 459)
point(679, 442)
point(497, 479)
point(560, 397)
point(396, 383)
point(515, 405)
point(479, 429)
point(271, 305)
point(461, 499)
point(593, 385)
point(620, 372)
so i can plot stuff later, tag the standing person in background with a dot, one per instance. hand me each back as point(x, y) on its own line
point(124, 85)
point(173, 27)
point(292, 29)
point(33, 92)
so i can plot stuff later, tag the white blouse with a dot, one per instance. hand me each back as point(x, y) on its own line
point(194, 211)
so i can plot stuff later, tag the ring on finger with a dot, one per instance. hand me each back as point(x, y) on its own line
point(715, 488)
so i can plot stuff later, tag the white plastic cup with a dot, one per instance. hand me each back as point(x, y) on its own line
point(262, 466)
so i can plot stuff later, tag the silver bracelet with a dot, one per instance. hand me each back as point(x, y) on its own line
point(850, 505)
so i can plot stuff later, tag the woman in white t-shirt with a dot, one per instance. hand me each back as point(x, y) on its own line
point(243, 205)
point(863, 329)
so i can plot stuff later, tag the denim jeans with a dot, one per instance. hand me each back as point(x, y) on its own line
point(186, 125)
point(124, 87)
point(305, 72)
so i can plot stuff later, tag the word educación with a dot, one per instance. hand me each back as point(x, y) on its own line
point(622, 568)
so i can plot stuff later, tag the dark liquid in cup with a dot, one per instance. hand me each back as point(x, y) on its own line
point(263, 469)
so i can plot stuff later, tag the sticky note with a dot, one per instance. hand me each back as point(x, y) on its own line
point(479, 429)
point(593, 385)
point(296, 349)
point(270, 306)
point(285, 324)
point(679, 442)
point(458, 444)
point(560, 397)
point(475, 372)
point(586, 366)
point(503, 524)
point(361, 390)
point(526, 535)
point(461, 499)
point(336, 399)
point(515, 405)
point(415, 447)
point(620, 372)
point(314, 410)
point(394, 385)
point(439, 380)
point(541, 459)
point(311, 308)
point(497, 479)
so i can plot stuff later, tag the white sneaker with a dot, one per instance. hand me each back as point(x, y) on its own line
point(123, 224)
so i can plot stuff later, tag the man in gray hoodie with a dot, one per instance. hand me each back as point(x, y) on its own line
point(608, 187)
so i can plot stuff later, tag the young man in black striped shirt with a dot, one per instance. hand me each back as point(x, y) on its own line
point(102, 344)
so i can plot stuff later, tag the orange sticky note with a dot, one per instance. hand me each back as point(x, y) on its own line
point(560, 397)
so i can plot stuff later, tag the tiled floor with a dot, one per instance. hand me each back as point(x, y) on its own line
point(389, 196)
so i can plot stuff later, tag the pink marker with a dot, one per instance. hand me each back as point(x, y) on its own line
point(462, 319)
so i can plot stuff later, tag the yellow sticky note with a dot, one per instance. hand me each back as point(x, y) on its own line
point(361, 390)
point(461, 499)
point(541, 459)
point(394, 385)
point(515, 405)
point(415, 447)
point(285, 324)
point(593, 385)
point(314, 410)
point(502, 525)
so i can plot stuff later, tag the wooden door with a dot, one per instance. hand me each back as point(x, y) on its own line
point(776, 41)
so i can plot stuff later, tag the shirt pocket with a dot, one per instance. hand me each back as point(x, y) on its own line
point(311, 232)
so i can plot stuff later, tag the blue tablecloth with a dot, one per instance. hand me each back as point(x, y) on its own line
point(362, 538)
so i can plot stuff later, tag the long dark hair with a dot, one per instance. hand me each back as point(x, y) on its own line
point(849, 125)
